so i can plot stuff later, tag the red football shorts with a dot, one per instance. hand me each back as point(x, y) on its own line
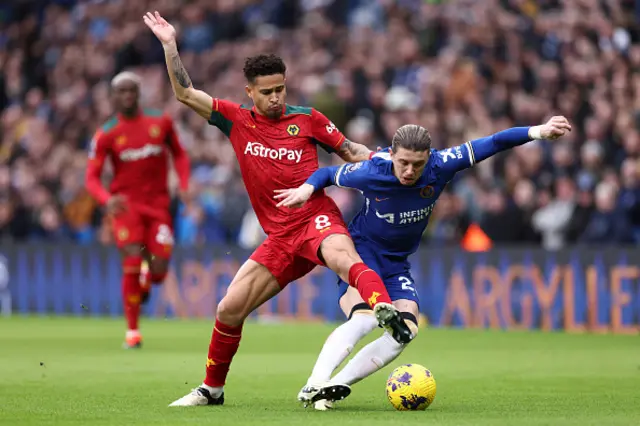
point(153, 229)
point(293, 256)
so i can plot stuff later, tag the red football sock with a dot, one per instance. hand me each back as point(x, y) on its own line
point(224, 345)
point(131, 290)
point(369, 284)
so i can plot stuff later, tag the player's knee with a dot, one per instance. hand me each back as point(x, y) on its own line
point(230, 312)
point(158, 269)
point(339, 253)
point(344, 261)
point(411, 321)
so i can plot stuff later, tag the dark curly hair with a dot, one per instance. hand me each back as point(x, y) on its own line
point(262, 65)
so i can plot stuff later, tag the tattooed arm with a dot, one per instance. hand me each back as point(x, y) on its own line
point(352, 152)
point(197, 100)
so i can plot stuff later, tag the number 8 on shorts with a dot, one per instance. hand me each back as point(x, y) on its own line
point(322, 221)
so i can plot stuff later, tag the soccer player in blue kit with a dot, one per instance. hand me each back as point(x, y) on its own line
point(400, 189)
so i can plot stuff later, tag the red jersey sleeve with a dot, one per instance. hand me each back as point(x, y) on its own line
point(98, 152)
point(180, 157)
point(325, 132)
point(223, 114)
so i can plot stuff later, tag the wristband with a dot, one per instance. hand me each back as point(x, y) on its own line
point(535, 132)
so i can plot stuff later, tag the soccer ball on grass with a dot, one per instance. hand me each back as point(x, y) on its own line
point(411, 387)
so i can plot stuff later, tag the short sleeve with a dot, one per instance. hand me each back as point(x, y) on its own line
point(223, 115)
point(325, 132)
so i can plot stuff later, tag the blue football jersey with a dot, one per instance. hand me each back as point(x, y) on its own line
point(395, 216)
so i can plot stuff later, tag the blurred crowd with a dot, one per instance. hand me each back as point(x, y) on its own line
point(462, 68)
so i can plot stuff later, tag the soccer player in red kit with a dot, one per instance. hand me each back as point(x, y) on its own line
point(275, 144)
point(138, 142)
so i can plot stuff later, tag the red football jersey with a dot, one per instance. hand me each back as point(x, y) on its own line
point(139, 149)
point(277, 154)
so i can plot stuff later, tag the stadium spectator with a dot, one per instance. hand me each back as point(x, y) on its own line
point(607, 224)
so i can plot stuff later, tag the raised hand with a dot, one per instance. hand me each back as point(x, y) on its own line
point(164, 31)
point(556, 127)
point(294, 197)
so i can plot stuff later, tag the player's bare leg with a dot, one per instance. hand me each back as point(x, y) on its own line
point(131, 263)
point(158, 246)
point(252, 286)
point(145, 280)
point(369, 359)
point(340, 255)
point(153, 273)
point(158, 269)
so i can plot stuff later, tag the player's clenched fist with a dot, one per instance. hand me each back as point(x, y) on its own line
point(555, 128)
point(294, 197)
point(165, 32)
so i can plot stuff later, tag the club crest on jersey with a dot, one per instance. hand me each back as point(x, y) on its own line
point(293, 130)
point(121, 140)
point(154, 131)
point(427, 192)
point(123, 234)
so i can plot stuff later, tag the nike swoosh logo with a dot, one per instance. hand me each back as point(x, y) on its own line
point(381, 199)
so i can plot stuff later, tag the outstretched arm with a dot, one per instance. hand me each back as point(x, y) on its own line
point(464, 156)
point(197, 100)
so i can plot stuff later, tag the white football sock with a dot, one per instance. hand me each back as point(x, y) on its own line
point(339, 345)
point(369, 359)
point(214, 391)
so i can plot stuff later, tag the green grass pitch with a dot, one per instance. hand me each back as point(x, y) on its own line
point(63, 371)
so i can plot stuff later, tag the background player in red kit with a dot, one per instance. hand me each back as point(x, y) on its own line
point(276, 146)
point(138, 143)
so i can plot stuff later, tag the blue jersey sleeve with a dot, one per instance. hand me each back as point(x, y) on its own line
point(350, 175)
point(453, 160)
